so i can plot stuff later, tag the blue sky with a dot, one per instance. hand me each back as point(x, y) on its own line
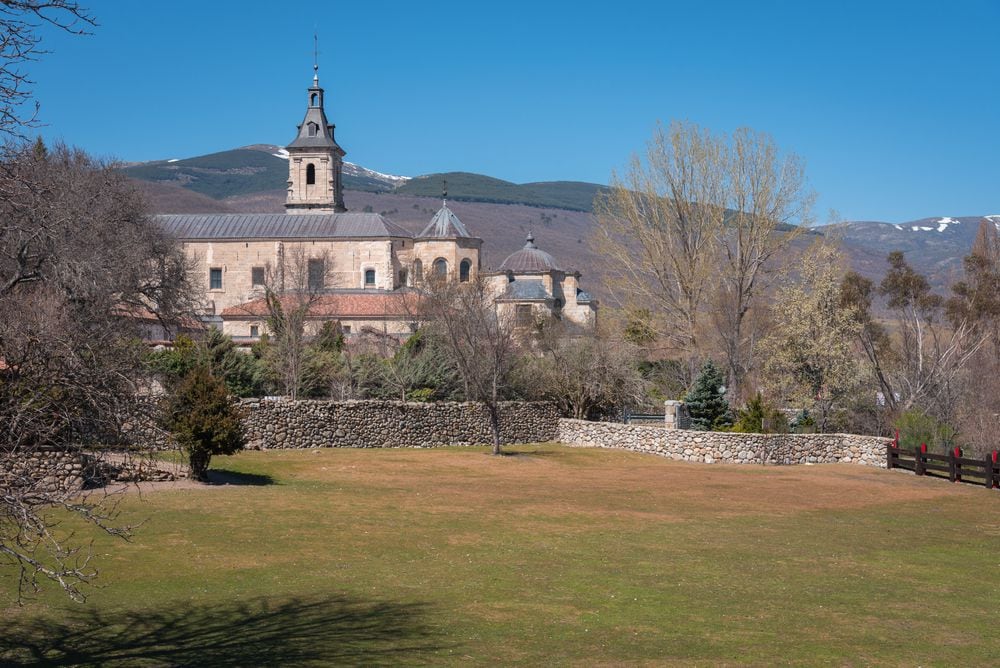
point(895, 106)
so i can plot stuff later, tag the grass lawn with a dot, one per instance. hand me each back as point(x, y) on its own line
point(551, 556)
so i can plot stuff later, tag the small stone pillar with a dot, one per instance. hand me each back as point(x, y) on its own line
point(674, 414)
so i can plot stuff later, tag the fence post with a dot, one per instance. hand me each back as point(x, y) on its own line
point(918, 460)
point(888, 455)
point(994, 478)
point(988, 464)
point(952, 466)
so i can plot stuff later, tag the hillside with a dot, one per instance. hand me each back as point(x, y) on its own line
point(466, 187)
point(244, 171)
point(261, 168)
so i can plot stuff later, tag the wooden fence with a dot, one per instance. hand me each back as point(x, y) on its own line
point(953, 466)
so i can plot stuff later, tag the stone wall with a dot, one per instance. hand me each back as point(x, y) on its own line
point(49, 470)
point(725, 447)
point(390, 424)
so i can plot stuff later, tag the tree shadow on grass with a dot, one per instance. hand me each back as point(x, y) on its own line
point(227, 477)
point(256, 632)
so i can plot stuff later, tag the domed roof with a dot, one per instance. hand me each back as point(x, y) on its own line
point(529, 259)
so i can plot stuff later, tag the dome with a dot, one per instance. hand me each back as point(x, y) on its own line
point(529, 259)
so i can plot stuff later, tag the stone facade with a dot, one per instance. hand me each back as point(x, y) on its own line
point(233, 253)
point(725, 447)
point(530, 286)
point(390, 424)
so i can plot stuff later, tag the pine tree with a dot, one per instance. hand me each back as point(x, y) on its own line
point(706, 402)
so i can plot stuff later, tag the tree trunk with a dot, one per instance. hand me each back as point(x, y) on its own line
point(494, 412)
point(198, 462)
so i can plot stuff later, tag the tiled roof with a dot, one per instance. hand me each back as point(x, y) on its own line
point(445, 224)
point(279, 226)
point(347, 304)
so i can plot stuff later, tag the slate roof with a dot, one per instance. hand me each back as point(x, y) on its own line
point(279, 226)
point(444, 225)
point(341, 304)
point(324, 129)
point(529, 259)
point(525, 290)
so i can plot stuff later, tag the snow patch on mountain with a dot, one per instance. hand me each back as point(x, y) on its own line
point(358, 170)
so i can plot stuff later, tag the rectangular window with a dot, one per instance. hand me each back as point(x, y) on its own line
point(254, 331)
point(369, 278)
point(215, 278)
point(524, 314)
point(317, 274)
point(346, 329)
point(257, 276)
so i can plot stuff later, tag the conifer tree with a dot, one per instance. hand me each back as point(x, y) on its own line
point(706, 402)
point(204, 420)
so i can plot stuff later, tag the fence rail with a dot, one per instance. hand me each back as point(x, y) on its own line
point(984, 472)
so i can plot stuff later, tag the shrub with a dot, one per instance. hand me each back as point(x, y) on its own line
point(202, 418)
point(760, 417)
point(916, 427)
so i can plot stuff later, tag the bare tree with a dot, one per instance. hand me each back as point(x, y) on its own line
point(769, 206)
point(79, 259)
point(479, 338)
point(923, 361)
point(692, 229)
point(659, 226)
point(585, 375)
point(20, 43)
point(293, 287)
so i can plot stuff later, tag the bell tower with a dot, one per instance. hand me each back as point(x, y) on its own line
point(315, 161)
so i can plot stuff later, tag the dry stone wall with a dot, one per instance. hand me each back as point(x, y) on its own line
point(49, 470)
point(390, 424)
point(724, 447)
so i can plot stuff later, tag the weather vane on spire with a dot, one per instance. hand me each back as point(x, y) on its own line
point(315, 56)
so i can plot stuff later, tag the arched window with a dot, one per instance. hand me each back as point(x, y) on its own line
point(313, 99)
point(441, 267)
point(310, 174)
point(418, 271)
point(369, 278)
point(463, 271)
point(312, 129)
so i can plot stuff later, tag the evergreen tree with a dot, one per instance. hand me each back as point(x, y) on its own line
point(706, 402)
point(203, 420)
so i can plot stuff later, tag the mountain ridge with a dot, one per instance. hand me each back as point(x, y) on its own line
point(253, 179)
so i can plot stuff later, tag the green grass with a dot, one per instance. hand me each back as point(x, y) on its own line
point(553, 556)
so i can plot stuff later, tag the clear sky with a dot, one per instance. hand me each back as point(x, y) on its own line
point(895, 106)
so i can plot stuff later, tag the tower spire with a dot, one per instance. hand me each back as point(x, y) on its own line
point(444, 192)
point(315, 59)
